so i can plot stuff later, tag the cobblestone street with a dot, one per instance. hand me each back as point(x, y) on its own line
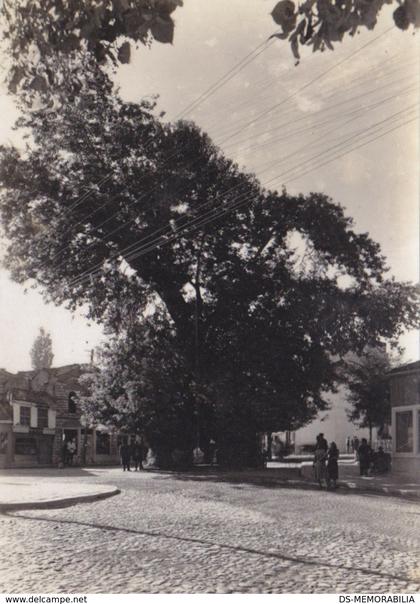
point(168, 533)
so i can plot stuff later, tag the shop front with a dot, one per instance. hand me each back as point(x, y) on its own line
point(405, 405)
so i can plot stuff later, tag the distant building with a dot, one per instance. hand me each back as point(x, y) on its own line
point(405, 406)
point(333, 422)
point(39, 414)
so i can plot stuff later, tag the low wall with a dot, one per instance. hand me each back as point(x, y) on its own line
point(406, 466)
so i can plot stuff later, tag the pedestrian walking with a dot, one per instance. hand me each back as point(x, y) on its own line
point(332, 465)
point(364, 454)
point(320, 468)
point(125, 454)
point(137, 455)
point(348, 444)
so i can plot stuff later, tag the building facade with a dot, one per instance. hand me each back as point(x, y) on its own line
point(333, 423)
point(40, 414)
point(405, 408)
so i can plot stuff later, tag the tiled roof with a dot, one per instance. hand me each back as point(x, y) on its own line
point(409, 367)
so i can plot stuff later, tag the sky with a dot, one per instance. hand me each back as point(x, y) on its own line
point(319, 126)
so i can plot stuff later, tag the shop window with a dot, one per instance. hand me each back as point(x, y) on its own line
point(72, 407)
point(103, 445)
point(42, 417)
point(25, 416)
point(25, 445)
point(404, 431)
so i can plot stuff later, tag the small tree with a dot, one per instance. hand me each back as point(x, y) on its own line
point(41, 352)
point(369, 389)
point(142, 386)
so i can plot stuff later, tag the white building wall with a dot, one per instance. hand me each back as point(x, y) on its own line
point(333, 423)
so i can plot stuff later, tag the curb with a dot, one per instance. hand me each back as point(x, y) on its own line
point(57, 503)
point(348, 488)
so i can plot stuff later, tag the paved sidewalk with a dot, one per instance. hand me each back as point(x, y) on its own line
point(386, 484)
point(300, 476)
point(18, 492)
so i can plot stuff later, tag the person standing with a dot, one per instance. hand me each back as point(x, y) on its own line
point(71, 450)
point(348, 444)
point(356, 443)
point(320, 469)
point(332, 465)
point(125, 454)
point(321, 442)
point(364, 454)
point(137, 455)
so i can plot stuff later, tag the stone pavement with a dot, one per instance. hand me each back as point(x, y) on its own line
point(27, 491)
point(51, 487)
point(186, 533)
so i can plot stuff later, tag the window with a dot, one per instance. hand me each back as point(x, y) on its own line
point(25, 445)
point(72, 408)
point(404, 431)
point(25, 416)
point(42, 417)
point(102, 443)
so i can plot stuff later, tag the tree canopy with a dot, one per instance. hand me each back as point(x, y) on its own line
point(41, 352)
point(111, 208)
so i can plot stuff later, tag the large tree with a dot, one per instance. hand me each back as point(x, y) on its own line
point(263, 295)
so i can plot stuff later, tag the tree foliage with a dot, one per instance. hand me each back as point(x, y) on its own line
point(321, 23)
point(143, 386)
point(45, 39)
point(41, 352)
point(262, 298)
point(368, 386)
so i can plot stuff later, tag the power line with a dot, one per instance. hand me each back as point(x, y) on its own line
point(202, 98)
point(226, 77)
point(203, 220)
point(126, 223)
point(230, 189)
point(307, 85)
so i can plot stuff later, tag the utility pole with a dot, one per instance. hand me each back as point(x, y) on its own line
point(197, 339)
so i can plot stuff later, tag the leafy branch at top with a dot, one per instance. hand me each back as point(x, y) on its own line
point(320, 23)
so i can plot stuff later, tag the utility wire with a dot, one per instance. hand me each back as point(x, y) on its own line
point(199, 220)
point(230, 189)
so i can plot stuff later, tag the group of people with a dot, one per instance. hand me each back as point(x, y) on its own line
point(131, 452)
point(326, 462)
point(378, 462)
